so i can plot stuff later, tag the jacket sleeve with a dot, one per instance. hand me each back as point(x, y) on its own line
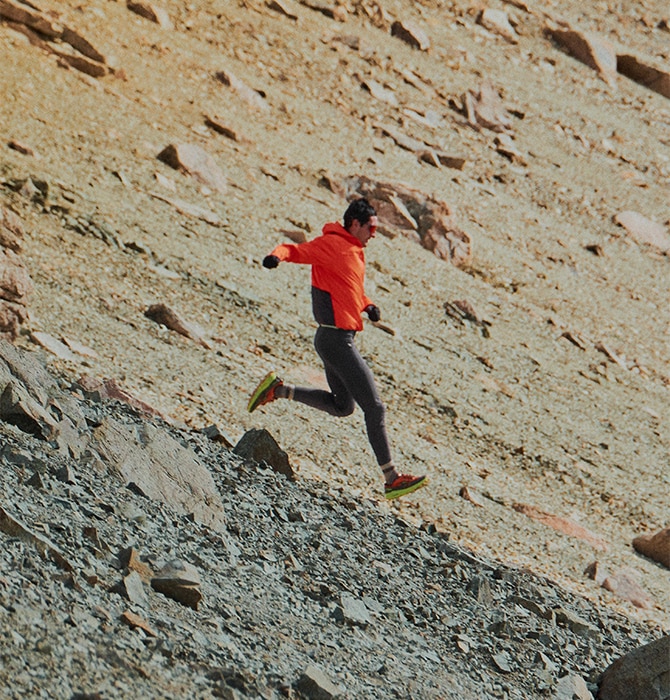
point(314, 252)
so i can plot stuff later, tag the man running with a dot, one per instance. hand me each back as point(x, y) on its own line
point(338, 299)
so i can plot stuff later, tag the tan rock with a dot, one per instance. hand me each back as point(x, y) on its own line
point(497, 21)
point(421, 218)
point(484, 109)
point(164, 315)
point(53, 345)
point(641, 72)
point(188, 209)
point(572, 688)
point(161, 467)
point(136, 622)
point(15, 282)
point(591, 49)
point(130, 558)
point(12, 317)
point(151, 11)
point(379, 92)
point(195, 161)
point(249, 95)
point(283, 8)
point(108, 389)
point(656, 546)
point(644, 230)
point(411, 34)
point(31, 17)
point(624, 584)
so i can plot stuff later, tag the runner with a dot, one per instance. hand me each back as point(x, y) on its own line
point(338, 299)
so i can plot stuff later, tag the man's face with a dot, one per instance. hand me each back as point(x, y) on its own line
point(364, 232)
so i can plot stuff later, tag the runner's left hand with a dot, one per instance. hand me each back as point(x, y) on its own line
point(373, 312)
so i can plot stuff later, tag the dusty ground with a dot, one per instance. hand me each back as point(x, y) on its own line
point(523, 416)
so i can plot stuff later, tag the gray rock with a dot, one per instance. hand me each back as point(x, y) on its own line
point(576, 624)
point(134, 589)
point(161, 467)
point(260, 446)
point(352, 610)
point(572, 688)
point(180, 581)
point(315, 685)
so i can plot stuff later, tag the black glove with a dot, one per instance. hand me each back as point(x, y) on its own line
point(270, 261)
point(373, 312)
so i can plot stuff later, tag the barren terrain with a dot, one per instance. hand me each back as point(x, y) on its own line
point(556, 403)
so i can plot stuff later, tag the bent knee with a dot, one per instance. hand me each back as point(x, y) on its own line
point(344, 409)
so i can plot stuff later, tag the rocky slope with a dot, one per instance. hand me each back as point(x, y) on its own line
point(144, 561)
point(528, 377)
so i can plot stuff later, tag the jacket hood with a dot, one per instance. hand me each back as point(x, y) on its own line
point(336, 228)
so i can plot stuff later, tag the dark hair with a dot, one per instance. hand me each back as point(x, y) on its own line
point(360, 210)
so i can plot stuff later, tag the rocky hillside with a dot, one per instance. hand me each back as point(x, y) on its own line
point(518, 154)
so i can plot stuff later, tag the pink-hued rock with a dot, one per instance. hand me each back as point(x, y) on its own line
point(15, 282)
point(656, 546)
point(11, 317)
point(565, 525)
point(484, 109)
point(108, 389)
point(623, 583)
point(11, 230)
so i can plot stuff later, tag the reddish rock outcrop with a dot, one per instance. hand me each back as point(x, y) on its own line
point(656, 546)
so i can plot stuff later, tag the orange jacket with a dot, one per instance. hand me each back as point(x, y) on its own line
point(338, 275)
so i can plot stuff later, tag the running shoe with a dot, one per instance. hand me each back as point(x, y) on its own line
point(404, 484)
point(264, 392)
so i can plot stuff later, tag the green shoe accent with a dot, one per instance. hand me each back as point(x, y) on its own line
point(404, 484)
point(264, 392)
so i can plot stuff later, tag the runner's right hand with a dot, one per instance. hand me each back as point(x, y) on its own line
point(270, 261)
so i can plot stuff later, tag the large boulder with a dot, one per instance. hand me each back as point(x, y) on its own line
point(643, 674)
point(407, 211)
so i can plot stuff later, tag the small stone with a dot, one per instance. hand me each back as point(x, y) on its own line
point(135, 621)
point(195, 161)
point(180, 581)
point(411, 34)
point(502, 662)
point(315, 685)
point(352, 610)
point(572, 688)
point(134, 589)
point(259, 446)
point(497, 21)
point(152, 12)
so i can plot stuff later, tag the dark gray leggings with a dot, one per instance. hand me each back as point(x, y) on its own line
point(351, 382)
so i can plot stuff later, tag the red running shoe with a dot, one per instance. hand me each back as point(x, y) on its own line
point(264, 392)
point(404, 484)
